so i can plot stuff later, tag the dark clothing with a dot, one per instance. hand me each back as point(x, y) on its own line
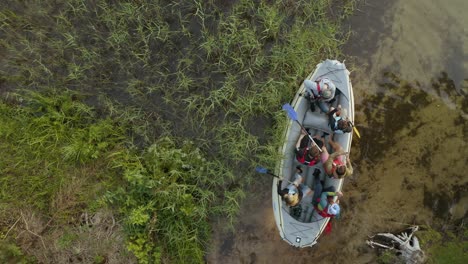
point(305, 142)
point(319, 191)
point(302, 154)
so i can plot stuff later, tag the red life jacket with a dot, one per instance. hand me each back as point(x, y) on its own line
point(336, 162)
point(319, 94)
point(324, 213)
point(301, 157)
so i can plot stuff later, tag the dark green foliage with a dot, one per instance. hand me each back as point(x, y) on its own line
point(59, 156)
point(167, 199)
point(11, 253)
point(445, 247)
point(40, 133)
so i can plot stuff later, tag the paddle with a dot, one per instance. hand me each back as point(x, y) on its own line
point(355, 130)
point(262, 170)
point(293, 115)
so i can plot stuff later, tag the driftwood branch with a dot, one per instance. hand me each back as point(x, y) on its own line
point(405, 244)
point(27, 229)
point(11, 227)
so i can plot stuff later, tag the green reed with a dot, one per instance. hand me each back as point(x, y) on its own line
point(188, 69)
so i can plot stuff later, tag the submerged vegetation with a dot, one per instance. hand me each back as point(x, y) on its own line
point(449, 246)
point(128, 127)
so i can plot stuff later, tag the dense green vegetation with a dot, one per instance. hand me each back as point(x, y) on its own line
point(59, 159)
point(97, 164)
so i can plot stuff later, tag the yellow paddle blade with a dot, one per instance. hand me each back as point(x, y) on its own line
point(357, 132)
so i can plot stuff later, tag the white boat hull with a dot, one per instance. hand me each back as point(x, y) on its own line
point(304, 230)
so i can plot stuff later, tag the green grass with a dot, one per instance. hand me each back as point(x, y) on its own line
point(114, 92)
point(444, 247)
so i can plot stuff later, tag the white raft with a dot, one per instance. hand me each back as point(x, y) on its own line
point(303, 230)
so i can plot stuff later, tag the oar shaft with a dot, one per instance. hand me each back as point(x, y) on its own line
point(293, 116)
point(274, 175)
point(310, 137)
point(356, 130)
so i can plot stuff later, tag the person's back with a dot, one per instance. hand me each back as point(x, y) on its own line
point(308, 153)
point(337, 165)
point(320, 92)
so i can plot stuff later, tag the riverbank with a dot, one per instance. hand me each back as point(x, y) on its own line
point(113, 82)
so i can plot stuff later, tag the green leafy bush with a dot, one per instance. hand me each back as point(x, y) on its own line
point(11, 253)
point(167, 199)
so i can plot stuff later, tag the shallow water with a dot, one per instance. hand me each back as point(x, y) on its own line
point(411, 84)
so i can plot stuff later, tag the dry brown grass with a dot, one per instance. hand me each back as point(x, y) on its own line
point(98, 238)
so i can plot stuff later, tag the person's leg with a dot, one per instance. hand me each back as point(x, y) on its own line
point(306, 190)
point(310, 87)
point(317, 192)
point(323, 106)
point(329, 189)
point(298, 179)
point(331, 120)
point(336, 147)
point(318, 186)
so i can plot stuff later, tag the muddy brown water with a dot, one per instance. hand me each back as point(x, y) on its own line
point(411, 83)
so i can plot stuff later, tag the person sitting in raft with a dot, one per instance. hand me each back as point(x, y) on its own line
point(320, 93)
point(324, 200)
point(337, 123)
point(294, 192)
point(308, 153)
point(337, 165)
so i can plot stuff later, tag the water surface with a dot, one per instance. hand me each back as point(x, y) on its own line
point(410, 77)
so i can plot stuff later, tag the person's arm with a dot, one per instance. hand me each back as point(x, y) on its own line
point(336, 146)
point(279, 190)
point(298, 143)
point(331, 87)
point(310, 88)
point(349, 167)
point(332, 112)
point(328, 165)
point(300, 193)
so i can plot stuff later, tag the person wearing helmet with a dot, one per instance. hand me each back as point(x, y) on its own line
point(320, 93)
point(294, 192)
